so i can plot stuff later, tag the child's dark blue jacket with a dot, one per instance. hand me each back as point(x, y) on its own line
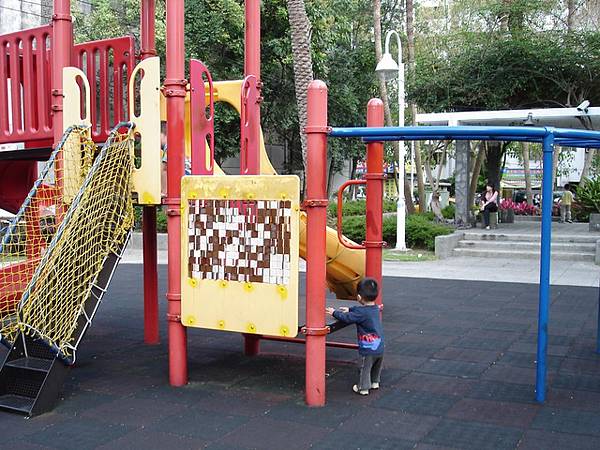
point(368, 327)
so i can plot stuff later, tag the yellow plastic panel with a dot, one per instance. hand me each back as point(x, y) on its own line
point(72, 108)
point(146, 179)
point(239, 253)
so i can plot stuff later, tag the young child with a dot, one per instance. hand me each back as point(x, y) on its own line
point(566, 201)
point(370, 334)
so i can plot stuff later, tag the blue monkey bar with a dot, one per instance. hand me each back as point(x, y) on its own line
point(548, 137)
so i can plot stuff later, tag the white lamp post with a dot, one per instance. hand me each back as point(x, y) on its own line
point(389, 69)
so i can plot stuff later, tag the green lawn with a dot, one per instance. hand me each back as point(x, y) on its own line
point(408, 256)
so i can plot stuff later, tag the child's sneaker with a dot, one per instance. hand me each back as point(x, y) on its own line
point(374, 385)
point(359, 391)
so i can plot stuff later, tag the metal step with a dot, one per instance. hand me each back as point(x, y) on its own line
point(36, 364)
point(556, 238)
point(569, 247)
point(16, 403)
point(493, 253)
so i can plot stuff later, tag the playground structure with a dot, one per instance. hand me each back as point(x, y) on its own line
point(216, 252)
point(59, 254)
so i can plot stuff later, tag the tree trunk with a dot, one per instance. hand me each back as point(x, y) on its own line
point(303, 71)
point(410, 37)
point(494, 163)
point(330, 176)
point(587, 165)
point(410, 206)
point(527, 172)
point(434, 182)
point(476, 171)
point(571, 8)
point(555, 158)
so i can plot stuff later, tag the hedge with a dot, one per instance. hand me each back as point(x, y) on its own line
point(357, 208)
point(161, 219)
point(420, 231)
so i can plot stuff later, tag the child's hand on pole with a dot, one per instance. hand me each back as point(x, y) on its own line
point(329, 311)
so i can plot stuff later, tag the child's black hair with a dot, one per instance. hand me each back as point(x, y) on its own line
point(368, 289)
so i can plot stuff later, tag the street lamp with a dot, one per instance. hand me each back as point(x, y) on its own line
point(389, 69)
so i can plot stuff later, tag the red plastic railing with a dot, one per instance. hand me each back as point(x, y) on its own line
point(107, 65)
point(25, 84)
point(25, 91)
point(202, 117)
point(250, 127)
point(340, 214)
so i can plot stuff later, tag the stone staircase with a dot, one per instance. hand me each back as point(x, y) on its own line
point(495, 244)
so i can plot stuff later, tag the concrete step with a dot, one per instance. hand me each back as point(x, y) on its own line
point(523, 254)
point(499, 236)
point(570, 247)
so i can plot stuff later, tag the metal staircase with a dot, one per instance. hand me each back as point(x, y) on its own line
point(32, 375)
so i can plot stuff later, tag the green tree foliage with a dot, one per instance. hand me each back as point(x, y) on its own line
point(474, 71)
point(588, 199)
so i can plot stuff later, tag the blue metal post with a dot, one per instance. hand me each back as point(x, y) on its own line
point(598, 327)
point(544, 293)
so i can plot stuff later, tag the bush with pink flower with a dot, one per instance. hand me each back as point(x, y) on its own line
point(520, 209)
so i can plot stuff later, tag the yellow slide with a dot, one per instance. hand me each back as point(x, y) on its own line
point(345, 267)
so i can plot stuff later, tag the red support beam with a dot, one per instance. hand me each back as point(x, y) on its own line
point(148, 29)
point(175, 91)
point(250, 143)
point(374, 200)
point(316, 222)
point(62, 49)
point(151, 329)
point(252, 39)
point(336, 344)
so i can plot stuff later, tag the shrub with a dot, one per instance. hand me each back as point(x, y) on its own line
point(357, 207)
point(448, 211)
point(161, 219)
point(588, 199)
point(420, 230)
point(354, 228)
point(520, 209)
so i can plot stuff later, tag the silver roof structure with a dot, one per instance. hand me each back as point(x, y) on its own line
point(551, 117)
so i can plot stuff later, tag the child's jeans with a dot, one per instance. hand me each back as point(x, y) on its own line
point(370, 371)
point(565, 212)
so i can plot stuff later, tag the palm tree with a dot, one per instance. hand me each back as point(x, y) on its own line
point(303, 71)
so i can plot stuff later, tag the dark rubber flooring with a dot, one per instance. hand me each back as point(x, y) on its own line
point(459, 372)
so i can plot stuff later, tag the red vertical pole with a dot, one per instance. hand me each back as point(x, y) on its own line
point(151, 333)
point(148, 29)
point(252, 153)
point(316, 210)
point(252, 39)
point(374, 201)
point(174, 89)
point(62, 48)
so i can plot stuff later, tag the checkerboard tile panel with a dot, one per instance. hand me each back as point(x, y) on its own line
point(240, 240)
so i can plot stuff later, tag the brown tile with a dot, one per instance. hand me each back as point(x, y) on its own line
point(500, 413)
point(412, 427)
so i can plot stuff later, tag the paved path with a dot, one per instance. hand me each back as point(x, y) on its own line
point(458, 374)
point(501, 270)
